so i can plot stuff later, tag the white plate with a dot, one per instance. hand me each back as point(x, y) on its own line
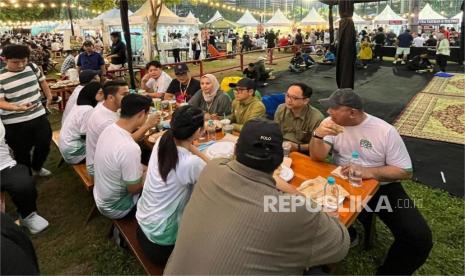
point(220, 150)
point(286, 173)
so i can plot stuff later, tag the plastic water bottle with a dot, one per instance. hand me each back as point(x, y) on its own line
point(211, 130)
point(331, 197)
point(355, 170)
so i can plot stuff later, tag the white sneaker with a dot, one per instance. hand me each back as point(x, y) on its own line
point(403, 62)
point(42, 172)
point(34, 223)
point(394, 62)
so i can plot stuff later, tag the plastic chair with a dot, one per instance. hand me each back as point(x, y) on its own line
point(272, 102)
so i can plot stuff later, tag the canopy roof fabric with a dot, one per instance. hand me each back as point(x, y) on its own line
point(313, 18)
point(278, 19)
point(247, 19)
point(110, 14)
point(459, 16)
point(191, 16)
point(166, 15)
point(387, 15)
point(358, 20)
point(428, 13)
point(217, 16)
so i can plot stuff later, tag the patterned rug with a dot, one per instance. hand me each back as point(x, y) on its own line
point(454, 86)
point(435, 117)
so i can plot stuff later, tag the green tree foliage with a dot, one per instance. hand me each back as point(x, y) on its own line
point(16, 14)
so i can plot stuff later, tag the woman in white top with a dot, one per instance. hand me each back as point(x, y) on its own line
point(442, 52)
point(174, 167)
point(72, 143)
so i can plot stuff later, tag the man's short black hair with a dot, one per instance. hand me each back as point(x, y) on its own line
point(112, 87)
point(154, 63)
point(251, 64)
point(116, 34)
point(133, 104)
point(16, 51)
point(87, 44)
point(307, 91)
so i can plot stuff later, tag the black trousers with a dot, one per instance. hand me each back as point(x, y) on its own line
point(158, 254)
point(19, 184)
point(23, 137)
point(412, 235)
point(441, 61)
point(379, 51)
point(176, 56)
point(197, 54)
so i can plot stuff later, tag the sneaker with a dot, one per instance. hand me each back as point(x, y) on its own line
point(34, 223)
point(403, 62)
point(365, 67)
point(42, 172)
point(56, 99)
point(394, 62)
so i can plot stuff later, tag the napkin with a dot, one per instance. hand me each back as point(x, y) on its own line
point(314, 188)
point(205, 146)
point(337, 172)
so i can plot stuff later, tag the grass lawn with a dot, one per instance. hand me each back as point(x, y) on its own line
point(69, 246)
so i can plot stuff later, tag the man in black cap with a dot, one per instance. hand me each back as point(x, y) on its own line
point(245, 106)
point(234, 231)
point(384, 157)
point(184, 86)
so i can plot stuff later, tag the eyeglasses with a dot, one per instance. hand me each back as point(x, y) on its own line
point(241, 89)
point(294, 98)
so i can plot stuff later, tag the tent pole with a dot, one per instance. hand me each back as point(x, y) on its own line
point(123, 5)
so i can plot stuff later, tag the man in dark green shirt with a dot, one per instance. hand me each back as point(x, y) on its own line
point(297, 118)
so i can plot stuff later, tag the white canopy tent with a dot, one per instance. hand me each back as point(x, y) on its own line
point(278, 19)
point(217, 16)
point(427, 13)
point(387, 16)
point(247, 20)
point(190, 15)
point(358, 20)
point(110, 14)
point(168, 23)
point(313, 18)
point(459, 16)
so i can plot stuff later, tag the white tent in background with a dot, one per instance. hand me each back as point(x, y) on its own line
point(386, 16)
point(459, 16)
point(358, 20)
point(247, 20)
point(279, 19)
point(217, 16)
point(427, 13)
point(110, 14)
point(313, 18)
point(190, 15)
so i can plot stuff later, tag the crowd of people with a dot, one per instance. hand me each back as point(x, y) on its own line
point(178, 192)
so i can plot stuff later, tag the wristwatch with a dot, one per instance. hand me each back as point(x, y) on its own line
point(316, 136)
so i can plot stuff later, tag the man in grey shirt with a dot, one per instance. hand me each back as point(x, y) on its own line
point(226, 228)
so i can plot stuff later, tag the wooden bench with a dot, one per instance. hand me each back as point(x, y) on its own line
point(81, 171)
point(128, 229)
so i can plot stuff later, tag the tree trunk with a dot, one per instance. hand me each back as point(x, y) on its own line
point(414, 8)
point(153, 21)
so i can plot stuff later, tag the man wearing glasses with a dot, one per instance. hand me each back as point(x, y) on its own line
point(297, 118)
point(245, 106)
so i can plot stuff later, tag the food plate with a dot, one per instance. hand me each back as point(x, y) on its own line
point(220, 150)
point(286, 173)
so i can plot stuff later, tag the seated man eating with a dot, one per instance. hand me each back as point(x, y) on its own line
point(384, 157)
point(245, 106)
point(297, 118)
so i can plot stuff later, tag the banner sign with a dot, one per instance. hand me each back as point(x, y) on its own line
point(396, 22)
point(437, 21)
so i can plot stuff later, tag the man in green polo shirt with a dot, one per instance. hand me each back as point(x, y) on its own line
point(245, 106)
point(297, 118)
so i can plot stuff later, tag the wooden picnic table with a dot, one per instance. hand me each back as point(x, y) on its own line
point(305, 168)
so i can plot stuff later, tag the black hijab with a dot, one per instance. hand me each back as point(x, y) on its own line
point(88, 93)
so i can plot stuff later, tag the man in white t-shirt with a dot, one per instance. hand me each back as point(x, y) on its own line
point(105, 114)
point(418, 41)
point(85, 77)
point(156, 81)
point(384, 157)
point(117, 161)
